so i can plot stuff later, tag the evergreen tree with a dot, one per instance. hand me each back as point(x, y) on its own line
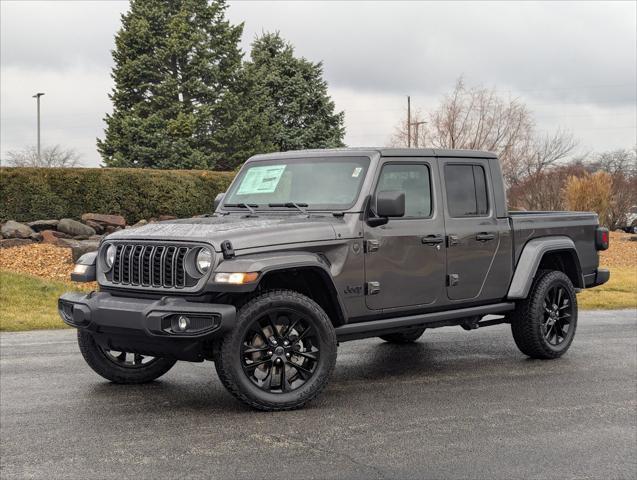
point(292, 94)
point(180, 92)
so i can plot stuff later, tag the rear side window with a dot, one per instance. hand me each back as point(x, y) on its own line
point(466, 187)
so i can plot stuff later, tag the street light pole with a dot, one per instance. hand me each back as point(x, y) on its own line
point(37, 96)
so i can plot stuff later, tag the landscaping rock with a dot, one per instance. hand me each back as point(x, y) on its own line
point(79, 247)
point(110, 229)
point(40, 225)
point(73, 227)
point(163, 218)
point(52, 236)
point(113, 220)
point(98, 227)
point(13, 229)
point(14, 242)
point(96, 238)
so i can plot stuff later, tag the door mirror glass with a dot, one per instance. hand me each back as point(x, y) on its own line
point(219, 199)
point(390, 203)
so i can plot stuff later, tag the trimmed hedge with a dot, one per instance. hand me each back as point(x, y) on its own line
point(28, 194)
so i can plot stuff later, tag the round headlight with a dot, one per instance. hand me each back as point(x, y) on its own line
point(204, 260)
point(109, 258)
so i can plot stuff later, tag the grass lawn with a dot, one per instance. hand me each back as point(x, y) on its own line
point(29, 303)
point(619, 292)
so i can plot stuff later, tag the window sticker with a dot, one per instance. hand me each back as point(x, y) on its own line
point(357, 171)
point(261, 179)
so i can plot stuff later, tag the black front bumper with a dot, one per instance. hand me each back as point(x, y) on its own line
point(141, 325)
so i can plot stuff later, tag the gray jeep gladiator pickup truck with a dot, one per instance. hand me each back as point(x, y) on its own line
point(311, 248)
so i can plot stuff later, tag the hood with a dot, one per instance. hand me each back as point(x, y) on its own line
point(242, 231)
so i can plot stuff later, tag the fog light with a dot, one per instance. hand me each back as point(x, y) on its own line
point(183, 323)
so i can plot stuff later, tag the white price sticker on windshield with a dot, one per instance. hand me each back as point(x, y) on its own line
point(261, 179)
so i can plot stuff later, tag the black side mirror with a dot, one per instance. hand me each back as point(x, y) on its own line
point(390, 203)
point(219, 199)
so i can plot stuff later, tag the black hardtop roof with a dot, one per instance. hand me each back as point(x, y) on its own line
point(377, 151)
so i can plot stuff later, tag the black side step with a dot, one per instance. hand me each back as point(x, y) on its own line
point(374, 328)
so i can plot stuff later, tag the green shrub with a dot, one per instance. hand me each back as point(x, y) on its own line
point(28, 194)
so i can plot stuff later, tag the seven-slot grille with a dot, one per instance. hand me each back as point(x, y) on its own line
point(151, 266)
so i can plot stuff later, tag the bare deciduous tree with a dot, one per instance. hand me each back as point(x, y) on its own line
point(52, 156)
point(478, 118)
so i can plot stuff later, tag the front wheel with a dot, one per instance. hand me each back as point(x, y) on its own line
point(543, 325)
point(280, 354)
point(121, 367)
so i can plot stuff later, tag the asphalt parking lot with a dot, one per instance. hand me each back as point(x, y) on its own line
point(454, 405)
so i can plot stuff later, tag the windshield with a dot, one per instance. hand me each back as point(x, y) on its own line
point(315, 183)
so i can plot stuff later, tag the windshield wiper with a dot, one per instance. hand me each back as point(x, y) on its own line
point(251, 207)
point(298, 206)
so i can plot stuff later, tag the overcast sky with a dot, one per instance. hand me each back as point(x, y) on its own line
point(573, 63)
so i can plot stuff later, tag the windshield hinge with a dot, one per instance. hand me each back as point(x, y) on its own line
point(227, 250)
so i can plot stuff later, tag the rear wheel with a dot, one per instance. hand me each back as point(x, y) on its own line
point(407, 336)
point(280, 354)
point(543, 325)
point(121, 367)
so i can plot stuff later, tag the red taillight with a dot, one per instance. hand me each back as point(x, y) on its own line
point(601, 238)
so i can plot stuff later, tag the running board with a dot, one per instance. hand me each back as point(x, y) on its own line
point(374, 328)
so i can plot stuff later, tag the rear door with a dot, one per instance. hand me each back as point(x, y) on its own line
point(473, 231)
point(404, 259)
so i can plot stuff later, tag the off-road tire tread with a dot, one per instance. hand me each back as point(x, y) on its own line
point(95, 359)
point(524, 321)
point(224, 350)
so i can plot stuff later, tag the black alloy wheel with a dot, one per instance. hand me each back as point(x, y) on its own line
point(558, 311)
point(128, 360)
point(280, 351)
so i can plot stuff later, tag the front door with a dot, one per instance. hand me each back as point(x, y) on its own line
point(405, 259)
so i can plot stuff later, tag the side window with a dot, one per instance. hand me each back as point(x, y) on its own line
point(413, 179)
point(466, 187)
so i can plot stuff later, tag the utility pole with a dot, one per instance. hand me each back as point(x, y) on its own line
point(37, 96)
point(417, 124)
point(408, 122)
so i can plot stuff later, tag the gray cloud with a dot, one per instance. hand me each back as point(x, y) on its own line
point(573, 63)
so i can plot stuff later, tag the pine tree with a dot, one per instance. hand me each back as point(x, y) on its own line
point(179, 94)
point(292, 93)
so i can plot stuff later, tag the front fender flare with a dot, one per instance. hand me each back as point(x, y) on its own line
point(265, 263)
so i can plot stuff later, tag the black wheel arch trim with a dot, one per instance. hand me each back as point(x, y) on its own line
point(276, 262)
point(530, 260)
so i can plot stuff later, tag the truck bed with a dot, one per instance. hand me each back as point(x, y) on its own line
point(578, 226)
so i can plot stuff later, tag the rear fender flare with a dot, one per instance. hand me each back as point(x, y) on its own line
point(530, 259)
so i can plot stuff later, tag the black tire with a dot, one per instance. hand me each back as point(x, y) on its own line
point(544, 324)
point(120, 371)
point(408, 336)
point(253, 354)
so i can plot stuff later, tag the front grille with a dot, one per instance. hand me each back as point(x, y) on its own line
point(161, 266)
